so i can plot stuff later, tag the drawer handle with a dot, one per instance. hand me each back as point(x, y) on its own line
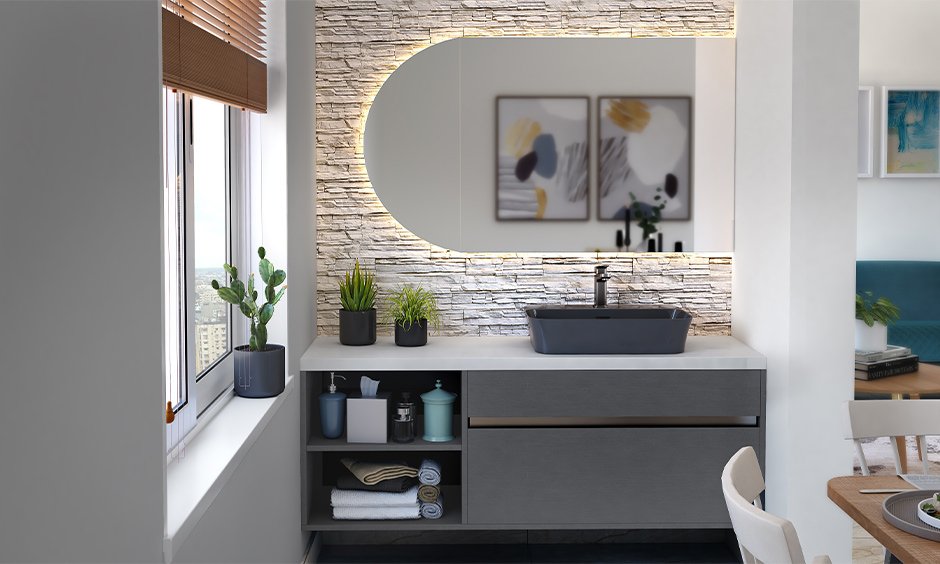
point(623, 421)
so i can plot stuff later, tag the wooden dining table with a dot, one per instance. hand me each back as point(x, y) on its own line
point(865, 509)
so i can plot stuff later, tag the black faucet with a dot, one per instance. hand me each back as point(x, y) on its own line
point(600, 285)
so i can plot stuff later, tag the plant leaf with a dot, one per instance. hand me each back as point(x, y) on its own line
point(277, 278)
point(243, 306)
point(265, 269)
point(267, 310)
point(262, 336)
point(277, 297)
point(229, 295)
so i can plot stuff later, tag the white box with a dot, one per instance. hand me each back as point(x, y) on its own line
point(367, 420)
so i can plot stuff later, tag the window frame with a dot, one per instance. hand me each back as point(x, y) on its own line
point(214, 384)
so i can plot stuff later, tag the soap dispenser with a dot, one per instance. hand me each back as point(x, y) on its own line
point(332, 410)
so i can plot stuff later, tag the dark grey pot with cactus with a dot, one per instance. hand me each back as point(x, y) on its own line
point(357, 318)
point(259, 366)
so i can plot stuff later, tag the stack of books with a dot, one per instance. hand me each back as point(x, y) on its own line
point(881, 364)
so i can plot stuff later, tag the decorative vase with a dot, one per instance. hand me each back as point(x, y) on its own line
point(259, 374)
point(416, 335)
point(870, 339)
point(357, 328)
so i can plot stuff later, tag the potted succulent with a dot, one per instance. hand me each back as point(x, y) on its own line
point(357, 318)
point(259, 366)
point(872, 318)
point(412, 309)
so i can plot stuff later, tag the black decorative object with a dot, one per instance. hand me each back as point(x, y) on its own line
point(357, 328)
point(415, 335)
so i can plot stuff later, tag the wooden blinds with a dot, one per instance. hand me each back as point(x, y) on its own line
point(212, 48)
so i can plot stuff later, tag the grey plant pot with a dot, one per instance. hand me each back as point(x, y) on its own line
point(416, 335)
point(259, 374)
point(357, 328)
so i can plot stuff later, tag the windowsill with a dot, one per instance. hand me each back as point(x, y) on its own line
point(208, 460)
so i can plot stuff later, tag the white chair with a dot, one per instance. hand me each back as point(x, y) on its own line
point(762, 537)
point(892, 418)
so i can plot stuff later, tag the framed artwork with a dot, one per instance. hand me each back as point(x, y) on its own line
point(910, 132)
point(865, 120)
point(542, 158)
point(644, 149)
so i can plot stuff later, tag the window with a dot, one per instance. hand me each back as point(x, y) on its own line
point(204, 226)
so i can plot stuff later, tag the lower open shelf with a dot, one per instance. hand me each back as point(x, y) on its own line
point(321, 516)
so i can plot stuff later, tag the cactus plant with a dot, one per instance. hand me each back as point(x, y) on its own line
point(246, 297)
point(357, 291)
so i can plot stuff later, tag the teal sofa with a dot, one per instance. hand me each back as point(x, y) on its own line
point(914, 286)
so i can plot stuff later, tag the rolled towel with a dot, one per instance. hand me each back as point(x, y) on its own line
point(430, 472)
point(433, 510)
point(356, 498)
point(428, 494)
point(346, 481)
point(371, 473)
point(371, 513)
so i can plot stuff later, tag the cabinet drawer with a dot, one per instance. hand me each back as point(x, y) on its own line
point(650, 478)
point(652, 393)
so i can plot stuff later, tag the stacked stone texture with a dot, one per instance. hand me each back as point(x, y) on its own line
point(358, 44)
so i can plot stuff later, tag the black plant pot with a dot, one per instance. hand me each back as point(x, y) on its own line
point(416, 335)
point(259, 374)
point(357, 327)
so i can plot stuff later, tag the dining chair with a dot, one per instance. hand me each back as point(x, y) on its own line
point(869, 419)
point(762, 537)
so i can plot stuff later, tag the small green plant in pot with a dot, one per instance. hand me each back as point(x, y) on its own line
point(259, 366)
point(412, 309)
point(647, 216)
point(357, 317)
point(872, 317)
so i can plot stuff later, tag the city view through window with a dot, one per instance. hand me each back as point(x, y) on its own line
point(210, 204)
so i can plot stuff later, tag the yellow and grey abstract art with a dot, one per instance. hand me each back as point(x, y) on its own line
point(542, 158)
point(645, 149)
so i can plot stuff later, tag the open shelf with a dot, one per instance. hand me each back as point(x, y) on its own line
point(316, 443)
point(320, 517)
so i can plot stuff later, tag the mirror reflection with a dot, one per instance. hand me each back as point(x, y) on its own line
point(556, 144)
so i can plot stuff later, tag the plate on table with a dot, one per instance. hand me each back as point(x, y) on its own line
point(903, 511)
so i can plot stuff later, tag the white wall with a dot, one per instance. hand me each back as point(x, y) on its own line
point(794, 253)
point(897, 216)
point(256, 516)
point(81, 439)
point(82, 427)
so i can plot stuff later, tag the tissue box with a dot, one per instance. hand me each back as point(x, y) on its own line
point(367, 419)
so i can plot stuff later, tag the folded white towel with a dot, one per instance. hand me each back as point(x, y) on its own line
point(433, 510)
point(392, 512)
point(429, 472)
point(359, 498)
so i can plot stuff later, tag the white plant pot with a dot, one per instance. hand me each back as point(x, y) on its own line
point(870, 339)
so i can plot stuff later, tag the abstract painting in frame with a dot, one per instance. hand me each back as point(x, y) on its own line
point(542, 158)
point(645, 148)
point(910, 132)
point(865, 119)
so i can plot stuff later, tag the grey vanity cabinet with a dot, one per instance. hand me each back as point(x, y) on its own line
point(637, 449)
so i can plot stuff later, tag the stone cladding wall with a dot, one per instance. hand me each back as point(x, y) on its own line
point(358, 44)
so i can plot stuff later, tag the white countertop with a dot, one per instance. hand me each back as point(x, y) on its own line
point(515, 353)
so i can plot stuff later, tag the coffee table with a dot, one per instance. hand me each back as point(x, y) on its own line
point(925, 381)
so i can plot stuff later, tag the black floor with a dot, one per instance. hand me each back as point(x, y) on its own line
point(639, 553)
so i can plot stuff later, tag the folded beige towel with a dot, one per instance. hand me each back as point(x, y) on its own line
point(428, 494)
point(371, 473)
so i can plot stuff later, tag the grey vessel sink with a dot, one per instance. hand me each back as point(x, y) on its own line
point(607, 330)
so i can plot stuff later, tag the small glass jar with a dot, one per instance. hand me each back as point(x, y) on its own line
point(403, 422)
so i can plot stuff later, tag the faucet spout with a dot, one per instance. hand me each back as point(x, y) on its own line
point(600, 285)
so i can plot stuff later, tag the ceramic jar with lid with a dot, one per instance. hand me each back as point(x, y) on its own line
point(438, 414)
